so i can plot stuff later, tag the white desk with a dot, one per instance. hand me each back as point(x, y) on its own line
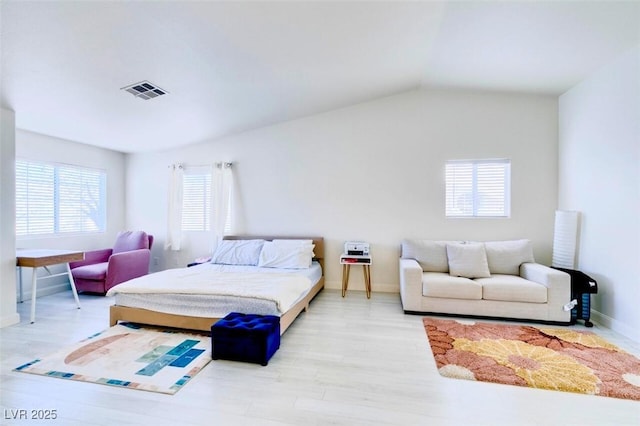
point(35, 258)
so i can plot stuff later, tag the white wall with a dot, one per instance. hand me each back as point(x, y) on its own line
point(600, 177)
point(34, 146)
point(8, 312)
point(372, 171)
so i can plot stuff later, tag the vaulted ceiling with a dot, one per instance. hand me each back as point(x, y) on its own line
point(233, 66)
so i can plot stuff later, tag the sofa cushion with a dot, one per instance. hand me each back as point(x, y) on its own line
point(97, 271)
point(512, 288)
point(467, 260)
point(505, 257)
point(430, 255)
point(438, 284)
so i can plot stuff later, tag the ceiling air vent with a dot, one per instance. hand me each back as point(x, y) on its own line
point(145, 90)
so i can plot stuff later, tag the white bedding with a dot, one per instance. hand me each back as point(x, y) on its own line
point(212, 290)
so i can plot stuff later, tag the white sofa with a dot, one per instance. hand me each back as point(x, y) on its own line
point(490, 279)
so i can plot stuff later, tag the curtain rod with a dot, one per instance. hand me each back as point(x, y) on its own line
point(219, 165)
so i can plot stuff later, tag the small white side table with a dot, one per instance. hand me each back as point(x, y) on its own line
point(346, 260)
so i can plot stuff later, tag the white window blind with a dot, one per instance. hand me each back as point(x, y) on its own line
point(196, 199)
point(59, 199)
point(478, 188)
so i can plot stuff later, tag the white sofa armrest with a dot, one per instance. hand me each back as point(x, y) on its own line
point(557, 282)
point(410, 284)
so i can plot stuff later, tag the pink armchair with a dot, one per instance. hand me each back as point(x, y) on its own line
point(102, 269)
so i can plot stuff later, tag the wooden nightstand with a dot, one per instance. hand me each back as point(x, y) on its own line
point(346, 260)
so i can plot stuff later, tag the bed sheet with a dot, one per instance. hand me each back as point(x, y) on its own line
point(216, 306)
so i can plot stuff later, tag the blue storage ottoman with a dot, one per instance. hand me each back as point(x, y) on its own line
point(245, 337)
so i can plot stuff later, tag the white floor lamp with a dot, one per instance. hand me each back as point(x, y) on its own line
point(565, 239)
point(565, 243)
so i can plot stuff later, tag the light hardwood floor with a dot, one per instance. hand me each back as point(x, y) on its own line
point(348, 361)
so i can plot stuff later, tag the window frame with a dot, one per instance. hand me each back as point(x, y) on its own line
point(474, 194)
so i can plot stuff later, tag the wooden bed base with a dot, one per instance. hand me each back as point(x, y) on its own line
point(146, 316)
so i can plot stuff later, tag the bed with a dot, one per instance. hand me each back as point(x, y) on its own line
point(149, 299)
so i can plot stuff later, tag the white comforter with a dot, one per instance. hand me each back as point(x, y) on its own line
point(282, 288)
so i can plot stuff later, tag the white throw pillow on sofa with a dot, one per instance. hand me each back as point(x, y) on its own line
point(505, 257)
point(468, 260)
point(430, 255)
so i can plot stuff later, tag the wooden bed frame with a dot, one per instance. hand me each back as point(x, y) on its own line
point(145, 316)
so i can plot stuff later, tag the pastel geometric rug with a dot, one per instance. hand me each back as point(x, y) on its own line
point(129, 356)
point(547, 358)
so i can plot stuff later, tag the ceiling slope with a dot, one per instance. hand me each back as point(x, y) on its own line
point(233, 66)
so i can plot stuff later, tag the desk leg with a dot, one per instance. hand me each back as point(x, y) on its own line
point(367, 280)
point(73, 286)
point(34, 285)
point(20, 283)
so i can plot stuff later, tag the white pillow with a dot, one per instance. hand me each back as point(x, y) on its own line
point(286, 256)
point(305, 245)
point(431, 255)
point(293, 242)
point(505, 257)
point(468, 260)
point(238, 252)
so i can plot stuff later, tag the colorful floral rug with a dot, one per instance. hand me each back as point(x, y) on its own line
point(128, 356)
point(546, 358)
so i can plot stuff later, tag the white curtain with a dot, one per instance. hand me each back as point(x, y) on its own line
point(174, 222)
point(222, 196)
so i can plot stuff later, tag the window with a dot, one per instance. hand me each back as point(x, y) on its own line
point(196, 200)
point(478, 188)
point(59, 199)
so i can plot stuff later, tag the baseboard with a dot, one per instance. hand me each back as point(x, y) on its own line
point(45, 290)
point(376, 287)
point(8, 320)
point(615, 325)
